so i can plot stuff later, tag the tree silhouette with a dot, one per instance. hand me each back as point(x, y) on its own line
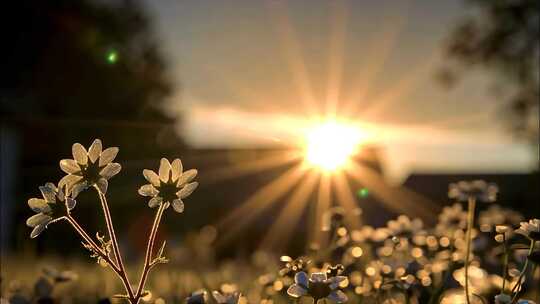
point(503, 36)
point(82, 64)
point(72, 71)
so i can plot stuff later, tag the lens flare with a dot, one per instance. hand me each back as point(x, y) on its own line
point(330, 145)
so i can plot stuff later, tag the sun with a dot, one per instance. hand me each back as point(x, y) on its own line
point(330, 144)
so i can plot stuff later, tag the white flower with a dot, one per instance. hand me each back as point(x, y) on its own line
point(451, 219)
point(503, 299)
point(477, 189)
point(46, 208)
point(506, 299)
point(403, 226)
point(170, 186)
point(496, 215)
point(197, 297)
point(226, 298)
point(318, 286)
point(60, 276)
point(530, 229)
point(89, 168)
point(502, 228)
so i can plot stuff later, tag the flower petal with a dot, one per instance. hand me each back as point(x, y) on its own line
point(38, 219)
point(39, 205)
point(48, 194)
point(37, 231)
point(335, 281)
point(151, 177)
point(79, 154)
point(296, 291)
point(187, 190)
point(154, 202)
point(301, 278)
point(219, 297)
point(186, 177)
point(148, 190)
point(51, 186)
point(178, 205)
point(78, 188)
point(60, 195)
point(102, 184)
point(95, 150)
point(318, 277)
point(164, 170)
point(338, 296)
point(68, 181)
point(110, 170)
point(176, 167)
point(70, 166)
point(107, 156)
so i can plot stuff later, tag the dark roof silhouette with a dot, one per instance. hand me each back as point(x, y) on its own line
point(517, 190)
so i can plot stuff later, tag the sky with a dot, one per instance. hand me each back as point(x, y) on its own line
point(256, 73)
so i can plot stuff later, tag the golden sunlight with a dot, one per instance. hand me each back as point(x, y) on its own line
point(330, 145)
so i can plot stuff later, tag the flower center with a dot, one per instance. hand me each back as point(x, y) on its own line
point(319, 290)
point(90, 172)
point(168, 191)
point(55, 209)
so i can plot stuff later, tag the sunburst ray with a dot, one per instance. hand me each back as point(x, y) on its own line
point(242, 166)
point(258, 202)
point(279, 234)
point(293, 55)
point(396, 199)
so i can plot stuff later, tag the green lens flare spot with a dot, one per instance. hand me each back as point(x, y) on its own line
point(363, 193)
point(112, 57)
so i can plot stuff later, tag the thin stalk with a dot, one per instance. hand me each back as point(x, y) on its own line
point(378, 294)
point(537, 289)
point(149, 250)
point(121, 274)
point(407, 297)
point(108, 220)
point(470, 224)
point(505, 269)
point(523, 271)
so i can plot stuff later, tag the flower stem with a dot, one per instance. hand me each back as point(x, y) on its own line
point(518, 283)
point(470, 224)
point(505, 268)
point(148, 264)
point(89, 240)
point(120, 264)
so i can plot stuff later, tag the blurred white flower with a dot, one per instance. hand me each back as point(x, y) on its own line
point(46, 208)
point(60, 276)
point(226, 298)
point(89, 168)
point(318, 286)
point(197, 297)
point(496, 215)
point(451, 218)
point(170, 186)
point(501, 229)
point(530, 229)
point(503, 299)
point(477, 189)
point(478, 279)
point(403, 226)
